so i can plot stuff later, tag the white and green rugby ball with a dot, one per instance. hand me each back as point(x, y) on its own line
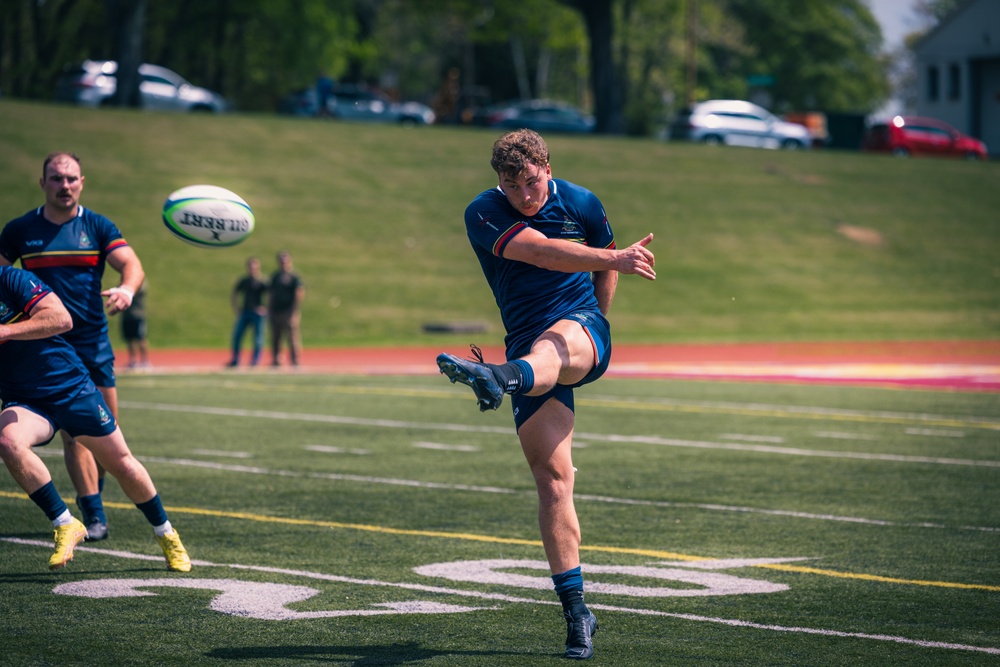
point(208, 216)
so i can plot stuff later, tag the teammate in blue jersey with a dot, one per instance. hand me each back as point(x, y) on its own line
point(549, 255)
point(67, 246)
point(45, 388)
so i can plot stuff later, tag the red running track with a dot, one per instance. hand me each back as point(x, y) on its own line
point(947, 365)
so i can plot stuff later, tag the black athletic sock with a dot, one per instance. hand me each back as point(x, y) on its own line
point(516, 376)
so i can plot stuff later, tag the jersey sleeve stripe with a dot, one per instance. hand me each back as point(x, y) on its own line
point(506, 237)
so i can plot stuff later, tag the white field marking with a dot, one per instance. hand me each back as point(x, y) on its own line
point(249, 599)
point(710, 583)
point(776, 439)
point(580, 497)
point(330, 449)
point(635, 439)
point(445, 448)
point(840, 435)
point(811, 412)
point(509, 598)
point(331, 476)
point(219, 452)
point(935, 433)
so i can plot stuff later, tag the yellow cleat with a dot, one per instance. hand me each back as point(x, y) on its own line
point(177, 556)
point(67, 537)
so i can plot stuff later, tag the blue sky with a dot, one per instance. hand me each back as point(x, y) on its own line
point(897, 19)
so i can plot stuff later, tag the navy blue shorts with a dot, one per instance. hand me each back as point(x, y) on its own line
point(99, 359)
point(599, 331)
point(83, 413)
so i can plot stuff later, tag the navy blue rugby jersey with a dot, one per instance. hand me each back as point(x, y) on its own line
point(43, 368)
point(531, 298)
point(70, 258)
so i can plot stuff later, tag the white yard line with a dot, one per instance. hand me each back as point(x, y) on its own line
point(501, 597)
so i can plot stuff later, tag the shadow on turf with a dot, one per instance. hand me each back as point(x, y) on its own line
point(393, 654)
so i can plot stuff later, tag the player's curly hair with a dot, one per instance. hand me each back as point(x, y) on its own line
point(514, 151)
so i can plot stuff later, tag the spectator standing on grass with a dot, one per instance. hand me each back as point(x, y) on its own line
point(247, 299)
point(45, 388)
point(324, 89)
point(284, 308)
point(67, 246)
point(549, 256)
point(134, 330)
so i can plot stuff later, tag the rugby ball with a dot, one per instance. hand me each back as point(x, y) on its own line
point(208, 216)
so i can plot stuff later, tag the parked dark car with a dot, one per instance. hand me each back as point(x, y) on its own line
point(92, 83)
point(738, 123)
point(538, 115)
point(917, 135)
point(356, 102)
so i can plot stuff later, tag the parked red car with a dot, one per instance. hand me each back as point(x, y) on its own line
point(917, 135)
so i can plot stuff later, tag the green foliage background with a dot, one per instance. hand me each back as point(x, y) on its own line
point(750, 243)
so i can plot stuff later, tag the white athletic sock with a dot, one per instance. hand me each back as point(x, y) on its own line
point(163, 529)
point(62, 519)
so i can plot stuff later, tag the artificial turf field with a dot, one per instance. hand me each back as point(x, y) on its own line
point(384, 521)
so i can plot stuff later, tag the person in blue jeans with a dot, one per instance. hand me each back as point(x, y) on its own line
point(248, 301)
point(549, 256)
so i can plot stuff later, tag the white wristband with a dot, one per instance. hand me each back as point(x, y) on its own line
point(123, 290)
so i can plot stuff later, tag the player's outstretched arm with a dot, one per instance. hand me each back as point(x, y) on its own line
point(47, 318)
point(638, 259)
point(533, 247)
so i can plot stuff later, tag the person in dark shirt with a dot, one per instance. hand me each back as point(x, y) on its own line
point(284, 302)
point(247, 299)
point(134, 330)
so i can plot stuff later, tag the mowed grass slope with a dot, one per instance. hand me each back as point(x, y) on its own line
point(874, 511)
point(751, 244)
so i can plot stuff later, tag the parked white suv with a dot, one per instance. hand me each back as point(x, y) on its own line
point(93, 83)
point(737, 123)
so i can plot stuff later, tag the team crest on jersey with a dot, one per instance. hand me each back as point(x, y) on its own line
point(4, 311)
point(85, 240)
point(103, 415)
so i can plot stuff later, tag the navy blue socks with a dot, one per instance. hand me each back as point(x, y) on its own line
point(92, 508)
point(569, 588)
point(48, 499)
point(153, 510)
point(516, 376)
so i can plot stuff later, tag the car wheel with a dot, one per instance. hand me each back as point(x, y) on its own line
point(712, 139)
point(791, 144)
point(972, 155)
point(901, 151)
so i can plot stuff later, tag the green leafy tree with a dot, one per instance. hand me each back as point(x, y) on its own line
point(819, 54)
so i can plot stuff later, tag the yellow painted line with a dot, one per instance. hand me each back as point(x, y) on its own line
point(875, 577)
point(472, 537)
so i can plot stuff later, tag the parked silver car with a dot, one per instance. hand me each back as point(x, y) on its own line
point(737, 123)
point(93, 84)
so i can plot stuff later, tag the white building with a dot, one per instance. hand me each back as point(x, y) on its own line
point(958, 71)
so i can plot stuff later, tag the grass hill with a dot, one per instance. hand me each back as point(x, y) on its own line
point(751, 244)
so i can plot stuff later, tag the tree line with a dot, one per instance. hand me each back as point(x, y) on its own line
point(631, 62)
